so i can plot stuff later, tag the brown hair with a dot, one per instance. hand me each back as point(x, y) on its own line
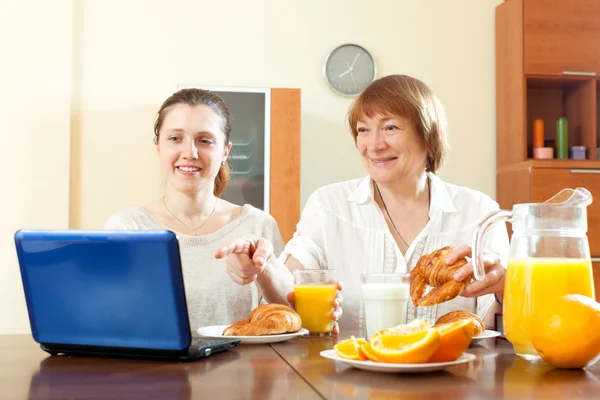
point(407, 97)
point(195, 97)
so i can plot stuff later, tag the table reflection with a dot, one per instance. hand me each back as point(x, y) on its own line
point(65, 377)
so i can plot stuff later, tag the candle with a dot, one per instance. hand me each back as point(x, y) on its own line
point(562, 144)
point(543, 153)
point(538, 133)
point(577, 152)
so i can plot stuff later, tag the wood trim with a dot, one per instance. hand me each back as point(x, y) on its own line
point(285, 160)
point(555, 164)
point(511, 142)
point(514, 167)
point(557, 81)
point(589, 164)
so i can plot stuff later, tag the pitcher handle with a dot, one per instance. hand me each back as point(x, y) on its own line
point(496, 216)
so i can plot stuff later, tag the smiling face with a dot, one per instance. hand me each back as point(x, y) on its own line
point(410, 123)
point(390, 148)
point(191, 146)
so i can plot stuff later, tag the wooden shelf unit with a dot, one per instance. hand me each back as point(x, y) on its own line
point(548, 66)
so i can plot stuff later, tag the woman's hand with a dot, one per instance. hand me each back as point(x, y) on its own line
point(337, 307)
point(247, 258)
point(494, 273)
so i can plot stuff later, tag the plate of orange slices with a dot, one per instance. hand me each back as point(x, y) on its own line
point(410, 348)
point(398, 368)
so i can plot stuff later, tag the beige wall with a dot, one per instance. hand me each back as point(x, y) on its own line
point(35, 85)
point(105, 66)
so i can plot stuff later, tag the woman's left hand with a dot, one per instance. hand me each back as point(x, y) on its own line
point(494, 273)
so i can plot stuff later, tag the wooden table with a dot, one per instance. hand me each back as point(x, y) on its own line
point(496, 374)
point(289, 370)
point(248, 372)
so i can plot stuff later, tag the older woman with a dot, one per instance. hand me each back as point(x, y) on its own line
point(402, 210)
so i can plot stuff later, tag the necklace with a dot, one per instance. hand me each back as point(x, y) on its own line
point(390, 217)
point(186, 225)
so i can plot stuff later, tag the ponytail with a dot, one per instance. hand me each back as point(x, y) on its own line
point(221, 179)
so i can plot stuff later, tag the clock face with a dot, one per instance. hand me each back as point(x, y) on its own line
point(349, 69)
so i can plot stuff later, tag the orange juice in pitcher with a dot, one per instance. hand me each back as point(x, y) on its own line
point(530, 282)
point(549, 257)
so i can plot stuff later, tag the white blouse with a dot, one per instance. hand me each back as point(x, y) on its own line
point(342, 228)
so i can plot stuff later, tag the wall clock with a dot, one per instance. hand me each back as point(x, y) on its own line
point(349, 69)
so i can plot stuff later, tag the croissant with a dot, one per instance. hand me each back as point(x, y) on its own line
point(431, 269)
point(457, 315)
point(267, 319)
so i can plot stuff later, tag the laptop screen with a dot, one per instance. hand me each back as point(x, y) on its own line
point(104, 288)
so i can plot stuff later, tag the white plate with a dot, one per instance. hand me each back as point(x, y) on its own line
point(216, 331)
point(394, 368)
point(487, 334)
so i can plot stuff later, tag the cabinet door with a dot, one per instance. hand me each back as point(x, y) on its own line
point(546, 182)
point(248, 183)
point(596, 267)
point(561, 36)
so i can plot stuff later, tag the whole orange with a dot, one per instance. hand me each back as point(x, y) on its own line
point(565, 331)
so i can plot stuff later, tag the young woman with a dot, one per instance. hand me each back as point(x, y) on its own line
point(192, 137)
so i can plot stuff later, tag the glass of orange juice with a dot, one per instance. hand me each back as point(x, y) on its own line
point(315, 291)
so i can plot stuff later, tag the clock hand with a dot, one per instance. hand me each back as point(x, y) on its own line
point(352, 76)
point(344, 73)
point(350, 68)
point(355, 60)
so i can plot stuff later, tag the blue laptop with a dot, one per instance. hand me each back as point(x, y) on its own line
point(109, 293)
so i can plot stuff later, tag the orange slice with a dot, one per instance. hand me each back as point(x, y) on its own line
point(357, 344)
point(416, 325)
point(455, 338)
point(367, 352)
point(413, 348)
point(349, 348)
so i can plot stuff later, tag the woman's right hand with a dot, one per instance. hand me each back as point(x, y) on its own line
point(337, 307)
point(247, 258)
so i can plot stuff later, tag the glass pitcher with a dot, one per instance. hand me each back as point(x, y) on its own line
point(549, 256)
